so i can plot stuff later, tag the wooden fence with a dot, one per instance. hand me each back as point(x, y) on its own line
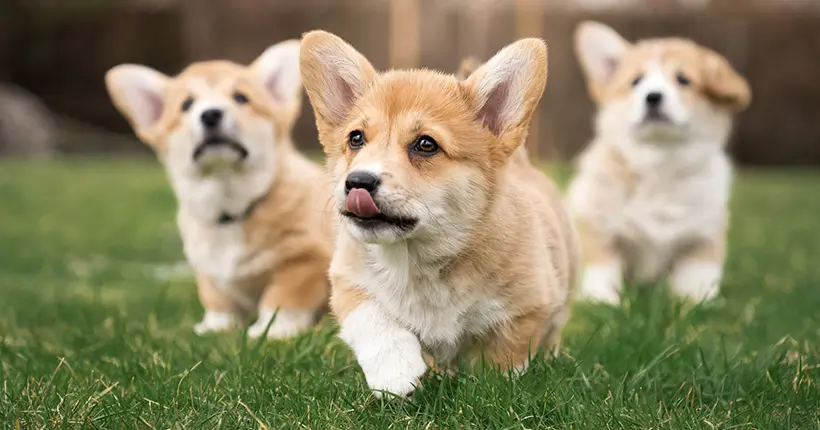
point(61, 54)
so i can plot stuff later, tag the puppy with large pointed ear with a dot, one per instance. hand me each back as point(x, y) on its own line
point(433, 219)
point(145, 96)
point(673, 102)
point(139, 93)
point(613, 66)
point(600, 50)
point(251, 208)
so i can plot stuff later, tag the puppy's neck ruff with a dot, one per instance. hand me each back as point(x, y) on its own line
point(227, 218)
point(654, 155)
point(228, 196)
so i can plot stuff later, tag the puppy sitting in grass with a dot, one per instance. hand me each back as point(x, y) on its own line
point(652, 191)
point(252, 210)
point(449, 241)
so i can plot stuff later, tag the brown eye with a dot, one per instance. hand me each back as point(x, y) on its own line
point(637, 80)
point(240, 98)
point(355, 140)
point(187, 104)
point(425, 145)
point(683, 80)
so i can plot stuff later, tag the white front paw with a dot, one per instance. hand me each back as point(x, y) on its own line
point(394, 373)
point(602, 283)
point(697, 281)
point(288, 323)
point(388, 353)
point(216, 322)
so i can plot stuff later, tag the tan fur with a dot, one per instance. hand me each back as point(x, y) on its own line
point(652, 203)
point(712, 76)
point(288, 236)
point(520, 253)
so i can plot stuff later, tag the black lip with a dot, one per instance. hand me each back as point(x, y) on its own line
point(223, 141)
point(381, 220)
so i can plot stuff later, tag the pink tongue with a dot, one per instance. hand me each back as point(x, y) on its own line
point(361, 204)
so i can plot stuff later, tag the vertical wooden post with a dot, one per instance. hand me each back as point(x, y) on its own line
point(528, 23)
point(405, 37)
point(196, 18)
point(475, 38)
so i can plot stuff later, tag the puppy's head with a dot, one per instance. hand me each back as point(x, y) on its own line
point(417, 153)
point(659, 89)
point(214, 114)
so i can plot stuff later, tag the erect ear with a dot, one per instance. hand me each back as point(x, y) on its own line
point(138, 92)
point(507, 89)
point(599, 49)
point(278, 71)
point(335, 75)
point(722, 83)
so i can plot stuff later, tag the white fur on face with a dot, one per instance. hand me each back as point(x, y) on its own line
point(445, 217)
point(695, 120)
point(219, 182)
point(655, 80)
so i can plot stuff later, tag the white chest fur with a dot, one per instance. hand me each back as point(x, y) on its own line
point(440, 313)
point(216, 250)
point(679, 197)
point(220, 251)
point(675, 201)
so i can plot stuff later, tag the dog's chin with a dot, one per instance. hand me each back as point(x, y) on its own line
point(381, 229)
point(219, 151)
point(660, 129)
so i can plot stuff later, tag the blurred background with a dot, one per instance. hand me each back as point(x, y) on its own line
point(54, 53)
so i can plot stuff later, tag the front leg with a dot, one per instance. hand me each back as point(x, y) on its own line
point(603, 273)
point(698, 271)
point(296, 298)
point(390, 355)
point(222, 311)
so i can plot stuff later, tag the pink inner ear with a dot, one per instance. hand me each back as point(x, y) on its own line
point(491, 113)
point(155, 106)
point(340, 98)
point(273, 90)
point(611, 66)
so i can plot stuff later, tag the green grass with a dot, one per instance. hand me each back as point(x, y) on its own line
point(95, 333)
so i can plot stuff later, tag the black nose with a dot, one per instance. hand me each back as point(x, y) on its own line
point(654, 99)
point(211, 117)
point(364, 180)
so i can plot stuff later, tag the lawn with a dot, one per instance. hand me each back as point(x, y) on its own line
point(96, 317)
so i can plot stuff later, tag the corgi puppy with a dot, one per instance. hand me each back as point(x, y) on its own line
point(651, 194)
point(449, 242)
point(252, 210)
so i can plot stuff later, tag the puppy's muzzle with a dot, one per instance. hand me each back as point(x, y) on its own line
point(212, 120)
point(654, 108)
point(220, 141)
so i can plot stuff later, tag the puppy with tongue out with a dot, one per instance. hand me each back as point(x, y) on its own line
point(450, 244)
point(360, 204)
